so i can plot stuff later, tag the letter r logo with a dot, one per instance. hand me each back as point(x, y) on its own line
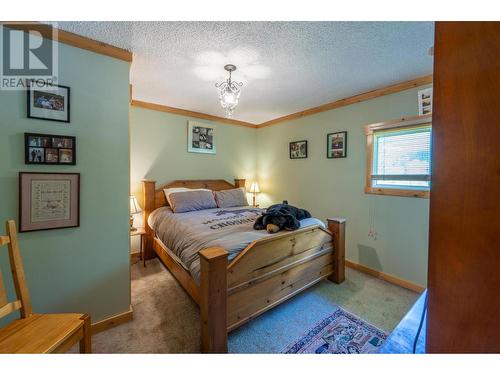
point(25, 52)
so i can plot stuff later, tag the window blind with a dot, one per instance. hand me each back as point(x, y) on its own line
point(402, 158)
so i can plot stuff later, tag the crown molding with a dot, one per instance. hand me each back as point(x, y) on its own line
point(185, 112)
point(72, 39)
point(391, 89)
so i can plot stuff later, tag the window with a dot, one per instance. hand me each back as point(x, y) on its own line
point(399, 157)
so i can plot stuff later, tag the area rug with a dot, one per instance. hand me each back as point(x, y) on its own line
point(340, 333)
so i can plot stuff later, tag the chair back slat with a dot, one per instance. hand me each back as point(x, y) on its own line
point(3, 294)
point(16, 266)
point(10, 308)
point(4, 240)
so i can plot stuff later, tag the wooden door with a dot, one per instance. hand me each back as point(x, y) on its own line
point(464, 238)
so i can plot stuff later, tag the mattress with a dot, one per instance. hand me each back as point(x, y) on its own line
point(185, 234)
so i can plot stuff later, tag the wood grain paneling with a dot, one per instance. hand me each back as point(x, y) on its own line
point(464, 262)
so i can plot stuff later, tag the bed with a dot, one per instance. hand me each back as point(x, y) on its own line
point(231, 271)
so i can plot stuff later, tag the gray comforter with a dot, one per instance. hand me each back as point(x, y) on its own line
point(185, 234)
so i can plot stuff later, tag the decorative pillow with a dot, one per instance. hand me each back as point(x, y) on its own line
point(192, 200)
point(169, 191)
point(231, 198)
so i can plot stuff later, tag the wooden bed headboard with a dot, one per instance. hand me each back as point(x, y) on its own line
point(154, 198)
point(159, 196)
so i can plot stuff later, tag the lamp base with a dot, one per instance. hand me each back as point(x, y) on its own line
point(253, 200)
point(132, 228)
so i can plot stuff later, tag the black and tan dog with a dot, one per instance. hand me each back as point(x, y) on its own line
point(281, 216)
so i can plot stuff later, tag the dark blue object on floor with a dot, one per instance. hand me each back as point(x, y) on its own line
point(400, 341)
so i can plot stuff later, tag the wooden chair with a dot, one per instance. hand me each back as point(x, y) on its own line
point(36, 333)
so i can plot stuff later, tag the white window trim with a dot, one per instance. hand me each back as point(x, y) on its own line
point(404, 123)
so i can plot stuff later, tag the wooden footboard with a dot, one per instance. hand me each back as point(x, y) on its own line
point(265, 274)
point(270, 271)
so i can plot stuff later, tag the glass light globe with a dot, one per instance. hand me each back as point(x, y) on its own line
point(229, 92)
point(229, 97)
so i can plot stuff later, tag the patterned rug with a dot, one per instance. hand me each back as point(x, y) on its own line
point(340, 333)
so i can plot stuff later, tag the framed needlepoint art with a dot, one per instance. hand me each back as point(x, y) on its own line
point(48, 201)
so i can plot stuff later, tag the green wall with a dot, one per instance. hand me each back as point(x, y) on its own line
point(87, 268)
point(84, 269)
point(159, 150)
point(334, 187)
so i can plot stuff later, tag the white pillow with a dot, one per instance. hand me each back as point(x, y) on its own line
point(169, 191)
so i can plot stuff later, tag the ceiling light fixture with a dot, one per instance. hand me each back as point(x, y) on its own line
point(229, 91)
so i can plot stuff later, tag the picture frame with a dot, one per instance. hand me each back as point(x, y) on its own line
point(201, 138)
point(425, 101)
point(49, 149)
point(298, 149)
point(48, 201)
point(48, 102)
point(336, 145)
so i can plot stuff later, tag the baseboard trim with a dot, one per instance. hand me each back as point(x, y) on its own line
point(112, 321)
point(386, 277)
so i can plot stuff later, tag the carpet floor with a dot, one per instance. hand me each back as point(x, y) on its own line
point(166, 320)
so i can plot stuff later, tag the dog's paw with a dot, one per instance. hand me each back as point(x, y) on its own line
point(272, 228)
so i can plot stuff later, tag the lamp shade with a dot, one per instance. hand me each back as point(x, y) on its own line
point(254, 188)
point(134, 206)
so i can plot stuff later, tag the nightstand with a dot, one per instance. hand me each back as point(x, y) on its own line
point(140, 232)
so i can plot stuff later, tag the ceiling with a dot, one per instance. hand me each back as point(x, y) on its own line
point(286, 67)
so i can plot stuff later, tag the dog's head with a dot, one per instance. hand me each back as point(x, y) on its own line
point(276, 221)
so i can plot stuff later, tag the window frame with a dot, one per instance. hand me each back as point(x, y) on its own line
point(399, 124)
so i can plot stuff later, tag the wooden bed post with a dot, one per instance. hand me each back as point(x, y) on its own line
point(239, 182)
point(148, 196)
point(336, 225)
point(213, 300)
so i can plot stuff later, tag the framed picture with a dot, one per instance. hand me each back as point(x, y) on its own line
point(201, 138)
point(425, 101)
point(298, 150)
point(336, 145)
point(48, 201)
point(48, 102)
point(49, 149)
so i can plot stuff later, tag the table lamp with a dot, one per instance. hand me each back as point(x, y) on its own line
point(254, 189)
point(134, 209)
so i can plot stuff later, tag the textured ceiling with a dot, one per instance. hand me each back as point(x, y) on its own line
point(285, 66)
